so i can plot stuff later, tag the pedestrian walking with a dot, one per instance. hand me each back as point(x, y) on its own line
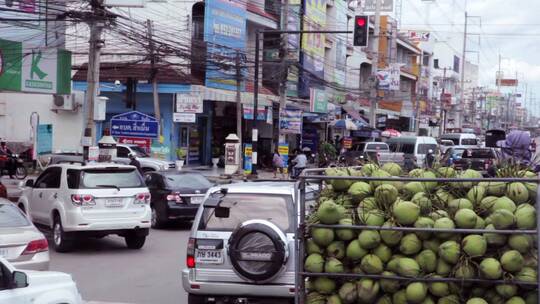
point(430, 159)
point(278, 163)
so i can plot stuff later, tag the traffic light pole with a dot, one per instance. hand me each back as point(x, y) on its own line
point(375, 65)
point(254, 131)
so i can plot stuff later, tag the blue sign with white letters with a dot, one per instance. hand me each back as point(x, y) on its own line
point(134, 124)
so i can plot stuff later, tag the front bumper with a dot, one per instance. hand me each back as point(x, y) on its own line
point(234, 289)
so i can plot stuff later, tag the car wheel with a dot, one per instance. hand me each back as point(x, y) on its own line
point(59, 236)
point(194, 299)
point(135, 241)
point(154, 219)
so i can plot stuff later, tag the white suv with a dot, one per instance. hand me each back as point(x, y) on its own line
point(93, 201)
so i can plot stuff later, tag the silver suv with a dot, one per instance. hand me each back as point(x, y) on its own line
point(241, 246)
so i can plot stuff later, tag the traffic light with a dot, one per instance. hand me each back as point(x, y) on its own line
point(361, 30)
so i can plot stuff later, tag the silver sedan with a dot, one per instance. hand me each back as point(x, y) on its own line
point(21, 243)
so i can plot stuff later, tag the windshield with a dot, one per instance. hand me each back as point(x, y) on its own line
point(374, 147)
point(273, 208)
point(138, 151)
point(478, 153)
point(190, 180)
point(424, 148)
point(102, 178)
point(11, 216)
point(469, 141)
point(447, 143)
point(403, 148)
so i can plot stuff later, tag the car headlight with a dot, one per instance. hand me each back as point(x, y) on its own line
point(163, 167)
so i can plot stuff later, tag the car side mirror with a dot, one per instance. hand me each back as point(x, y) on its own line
point(29, 183)
point(222, 212)
point(19, 279)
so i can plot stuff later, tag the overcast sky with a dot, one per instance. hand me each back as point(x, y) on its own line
point(511, 28)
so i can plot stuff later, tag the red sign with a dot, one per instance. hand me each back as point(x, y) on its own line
point(347, 142)
point(507, 82)
point(144, 143)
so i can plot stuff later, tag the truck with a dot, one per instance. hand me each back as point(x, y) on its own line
point(372, 151)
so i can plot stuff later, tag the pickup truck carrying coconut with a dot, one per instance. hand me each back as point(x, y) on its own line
point(456, 238)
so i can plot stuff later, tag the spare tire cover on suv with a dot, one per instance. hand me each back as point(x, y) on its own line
point(258, 250)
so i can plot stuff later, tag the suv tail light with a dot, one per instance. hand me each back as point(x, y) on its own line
point(190, 251)
point(82, 199)
point(142, 198)
point(175, 197)
point(36, 246)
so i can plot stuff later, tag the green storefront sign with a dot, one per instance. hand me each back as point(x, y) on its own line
point(318, 102)
point(30, 69)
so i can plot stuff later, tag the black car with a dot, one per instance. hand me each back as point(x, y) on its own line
point(480, 159)
point(175, 195)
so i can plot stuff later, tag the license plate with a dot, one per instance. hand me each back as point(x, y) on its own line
point(197, 200)
point(114, 202)
point(209, 256)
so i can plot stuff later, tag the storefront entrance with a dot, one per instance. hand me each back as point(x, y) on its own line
point(191, 139)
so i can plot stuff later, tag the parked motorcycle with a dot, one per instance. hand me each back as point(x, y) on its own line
point(13, 163)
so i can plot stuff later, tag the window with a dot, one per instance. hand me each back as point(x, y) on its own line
point(478, 153)
point(469, 141)
point(122, 152)
point(381, 146)
point(436, 63)
point(107, 177)
point(455, 140)
point(424, 148)
point(11, 216)
point(188, 180)
point(273, 208)
point(73, 178)
point(406, 148)
point(49, 179)
point(139, 152)
point(425, 60)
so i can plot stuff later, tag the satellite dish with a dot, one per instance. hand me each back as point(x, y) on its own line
point(58, 100)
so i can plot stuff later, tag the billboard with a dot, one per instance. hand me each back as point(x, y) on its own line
point(371, 5)
point(341, 45)
point(312, 45)
point(225, 34)
point(507, 82)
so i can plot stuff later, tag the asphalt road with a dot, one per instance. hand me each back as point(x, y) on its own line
point(105, 270)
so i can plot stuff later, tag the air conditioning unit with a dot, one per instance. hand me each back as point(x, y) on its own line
point(66, 102)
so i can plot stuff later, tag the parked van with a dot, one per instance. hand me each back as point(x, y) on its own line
point(462, 140)
point(414, 146)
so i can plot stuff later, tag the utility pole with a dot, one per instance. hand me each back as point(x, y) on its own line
point(498, 80)
point(442, 114)
point(254, 131)
point(375, 65)
point(284, 65)
point(238, 104)
point(92, 77)
point(463, 59)
point(153, 75)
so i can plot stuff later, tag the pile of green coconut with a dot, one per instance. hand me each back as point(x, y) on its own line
point(509, 259)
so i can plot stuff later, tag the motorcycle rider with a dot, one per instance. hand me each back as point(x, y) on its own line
point(9, 165)
point(300, 162)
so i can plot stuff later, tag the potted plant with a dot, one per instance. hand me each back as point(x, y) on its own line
point(216, 153)
point(181, 155)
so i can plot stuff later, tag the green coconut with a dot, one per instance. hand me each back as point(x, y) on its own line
point(480, 223)
point(460, 203)
point(437, 214)
point(406, 213)
point(486, 204)
point(424, 222)
point(411, 188)
point(531, 297)
point(416, 292)
point(386, 195)
point(517, 192)
point(439, 289)
point(512, 261)
point(465, 218)
point(339, 184)
point(525, 217)
point(322, 236)
point(503, 219)
point(476, 194)
point(389, 285)
point(476, 301)
point(431, 244)
point(315, 298)
point(336, 249)
point(443, 197)
point(367, 290)
point(324, 285)
point(312, 247)
point(354, 251)
point(345, 234)
point(400, 297)
point(383, 252)
point(474, 245)
point(333, 265)
point(368, 169)
point(371, 264)
point(444, 223)
point(443, 268)
point(330, 213)
point(527, 274)
point(504, 203)
point(427, 260)
point(416, 172)
point(450, 251)
point(408, 267)
point(465, 271)
point(450, 299)
point(374, 217)
point(521, 242)
point(490, 268)
point(390, 238)
point(369, 239)
point(506, 290)
point(515, 300)
point(410, 244)
point(494, 239)
point(493, 297)
point(368, 203)
point(429, 186)
point(348, 293)
point(380, 174)
point(392, 265)
point(392, 169)
point(359, 191)
point(446, 172)
point(333, 299)
point(314, 263)
point(469, 173)
point(386, 299)
point(422, 200)
point(495, 188)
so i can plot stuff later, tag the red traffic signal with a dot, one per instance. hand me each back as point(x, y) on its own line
point(360, 21)
point(361, 31)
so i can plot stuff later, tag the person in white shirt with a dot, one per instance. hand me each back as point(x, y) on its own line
point(300, 162)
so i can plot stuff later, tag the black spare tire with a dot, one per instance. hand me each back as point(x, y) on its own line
point(258, 250)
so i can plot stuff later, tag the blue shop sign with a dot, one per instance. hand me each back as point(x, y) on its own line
point(134, 124)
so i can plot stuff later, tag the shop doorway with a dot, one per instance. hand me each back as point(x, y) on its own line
point(191, 140)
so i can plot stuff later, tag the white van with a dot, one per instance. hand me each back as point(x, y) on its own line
point(462, 140)
point(414, 146)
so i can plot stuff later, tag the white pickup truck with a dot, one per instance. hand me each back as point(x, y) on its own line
point(373, 151)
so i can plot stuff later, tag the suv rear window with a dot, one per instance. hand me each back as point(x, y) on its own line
point(11, 216)
point(243, 207)
point(103, 177)
point(377, 146)
point(478, 153)
point(469, 142)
